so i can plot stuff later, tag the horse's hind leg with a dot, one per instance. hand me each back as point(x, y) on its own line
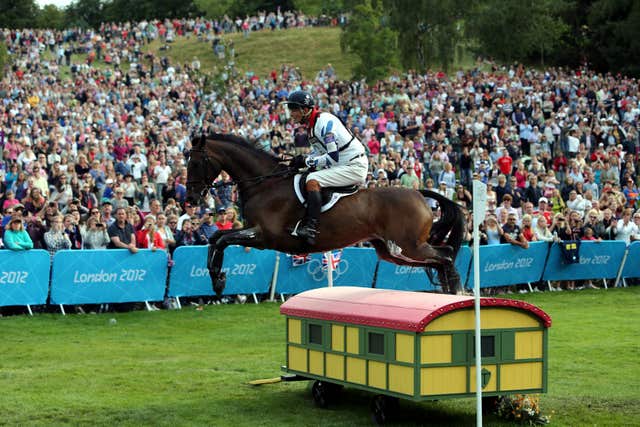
point(449, 278)
point(427, 256)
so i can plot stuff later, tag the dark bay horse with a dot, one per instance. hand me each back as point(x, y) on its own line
point(397, 221)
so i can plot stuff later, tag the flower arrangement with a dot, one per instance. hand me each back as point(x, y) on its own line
point(522, 409)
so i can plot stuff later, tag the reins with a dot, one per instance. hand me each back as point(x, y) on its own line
point(254, 180)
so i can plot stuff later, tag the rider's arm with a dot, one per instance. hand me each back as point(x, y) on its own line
point(332, 155)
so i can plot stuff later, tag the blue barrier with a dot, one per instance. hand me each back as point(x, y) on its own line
point(503, 265)
point(598, 260)
point(406, 278)
point(356, 268)
point(247, 272)
point(189, 275)
point(24, 277)
point(632, 266)
point(111, 276)
point(463, 264)
point(402, 277)
point(108, 276)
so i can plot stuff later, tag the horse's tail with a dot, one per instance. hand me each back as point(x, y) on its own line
point(451, 222)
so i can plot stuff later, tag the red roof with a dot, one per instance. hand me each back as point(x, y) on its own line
point(382, 308)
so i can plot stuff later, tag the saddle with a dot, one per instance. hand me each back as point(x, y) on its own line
point(330, 195)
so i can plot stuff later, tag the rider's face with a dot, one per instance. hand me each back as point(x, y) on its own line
point(298, 115)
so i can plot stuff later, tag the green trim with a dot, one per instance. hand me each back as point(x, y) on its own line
point(458, 348)
point(405, 396)
point(390, 342)
point(417, 379)
point(303, 332)
point(545, 359)
point(459, 331)
point(286, 331)
point(507, 346)
point(326, 336)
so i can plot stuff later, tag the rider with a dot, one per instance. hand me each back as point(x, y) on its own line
point(337, 157)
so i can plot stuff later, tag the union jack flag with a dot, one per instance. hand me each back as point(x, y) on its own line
point(334, 257)
point(298, 260)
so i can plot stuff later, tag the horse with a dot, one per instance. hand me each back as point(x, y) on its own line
point(396, 221)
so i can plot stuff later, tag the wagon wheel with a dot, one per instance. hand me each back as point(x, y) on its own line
point(382, 408)
point(320, 392)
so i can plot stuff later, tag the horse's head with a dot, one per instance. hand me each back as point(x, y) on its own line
point(201, 170)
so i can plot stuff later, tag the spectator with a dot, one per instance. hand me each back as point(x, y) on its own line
point(15, 237)
point(410, 180)
point(624, 228)
point(527, 229)
point(492, 230)
point(541, 230)
point(165, 232)
point(34, 203)
point(56, 239)
point(505, 163)
point(36, 230)
point(9, 200)
point(119, 201)
point(107, 219)
point(121, 233)
point(631, 193)
point(148, 237)
point(189, 211)
point(95, 234)
point(188, 236)
point(506, 206)
point(224, 219)
point(208, 227)
point(72, 229)
point(512, 233)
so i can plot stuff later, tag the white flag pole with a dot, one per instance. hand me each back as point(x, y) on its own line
point(329, 256)
point(479, 210)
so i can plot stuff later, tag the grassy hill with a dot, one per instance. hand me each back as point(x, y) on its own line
point(309, 48)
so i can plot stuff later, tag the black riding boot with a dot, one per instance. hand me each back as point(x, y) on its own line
point(309, 228)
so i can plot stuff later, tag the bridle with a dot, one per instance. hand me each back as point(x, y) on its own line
point(209, 164)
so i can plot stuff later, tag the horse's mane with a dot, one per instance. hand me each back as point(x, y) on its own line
point(244, 143)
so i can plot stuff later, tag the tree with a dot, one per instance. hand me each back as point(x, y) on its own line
point(428, 31)
point(214, 9)
point(516, 31)
point(18, 14)
point(50, 17)
point(84, 13)
point(614, 31)
point(371, 41)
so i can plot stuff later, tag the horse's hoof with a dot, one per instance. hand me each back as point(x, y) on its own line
point(219, 284)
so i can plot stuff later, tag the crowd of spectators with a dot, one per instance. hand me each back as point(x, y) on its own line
point(94, 152)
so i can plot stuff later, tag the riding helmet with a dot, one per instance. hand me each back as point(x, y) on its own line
point(300, 99)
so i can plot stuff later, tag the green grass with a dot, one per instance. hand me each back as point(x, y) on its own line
point(310, 49)
point(191, 367)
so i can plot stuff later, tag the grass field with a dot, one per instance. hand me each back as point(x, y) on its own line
point(191, 367)
point(311, 49)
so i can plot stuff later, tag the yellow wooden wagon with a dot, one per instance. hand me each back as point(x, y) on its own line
point(416, 346)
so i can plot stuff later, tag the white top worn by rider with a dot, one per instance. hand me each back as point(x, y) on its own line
point(339, 158)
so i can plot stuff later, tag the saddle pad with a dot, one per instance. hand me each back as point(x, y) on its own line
point(325, 206)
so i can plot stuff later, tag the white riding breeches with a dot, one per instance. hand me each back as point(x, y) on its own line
point(352, 173)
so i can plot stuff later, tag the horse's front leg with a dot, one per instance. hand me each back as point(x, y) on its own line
point(217, 244)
